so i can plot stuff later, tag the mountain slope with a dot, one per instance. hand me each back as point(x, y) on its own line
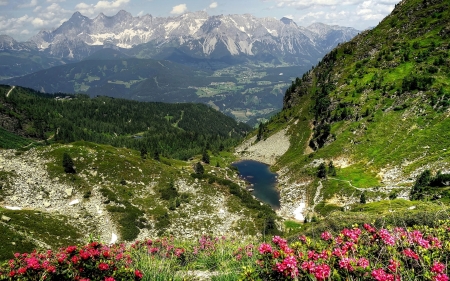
point(157, 127)
point(377, 107)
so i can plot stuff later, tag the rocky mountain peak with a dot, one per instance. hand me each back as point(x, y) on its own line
point(287, 21)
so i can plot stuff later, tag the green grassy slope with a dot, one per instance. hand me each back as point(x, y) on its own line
point(377, 106)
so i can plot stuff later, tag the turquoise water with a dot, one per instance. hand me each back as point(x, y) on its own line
point(262, 179)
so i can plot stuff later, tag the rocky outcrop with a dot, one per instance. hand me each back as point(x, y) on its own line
point(267, 151)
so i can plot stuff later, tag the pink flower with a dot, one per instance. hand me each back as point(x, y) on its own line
point(326, 236)
point(440, 277)
point(346, 263)
point(410, 253)
point(322, 272)
point(103, 266)
point(387, 238)
point(109, 279)
point(288, 267)
point(71, 249)
point(22, 270)
point(438, 267)
point(369, 228)
point(33, 263)
point(380, 275)
point(138, 274)
point(265, 248)
point(393, 265)
point(363, 262)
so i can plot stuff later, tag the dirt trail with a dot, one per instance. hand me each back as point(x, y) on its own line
point(9, 92)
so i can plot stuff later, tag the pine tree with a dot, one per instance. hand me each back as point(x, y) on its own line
point(322, 171)
point(331, 169)
point(198, 168)
point(68, 164)
point(205, 157)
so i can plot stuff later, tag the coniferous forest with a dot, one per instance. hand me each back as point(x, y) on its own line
point(171, 130)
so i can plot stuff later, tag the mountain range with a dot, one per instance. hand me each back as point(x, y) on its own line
point(240, 63)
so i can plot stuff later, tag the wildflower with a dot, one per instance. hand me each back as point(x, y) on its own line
point(33, 263)
point(21, 270)
point(369, 228)
point(387, 238)
point(438, 267)
point(265, 248)
point(138, 274)
point(393, 265)
point(326, 236)
point(288, 267)
point(238, 257)
point(440, 277)
point(410, 253)
point(71, 249)
point(363, 262)
point(381, 275)
point(110, 279)
point(322, 272)
point(346, 263)
point(103, 266)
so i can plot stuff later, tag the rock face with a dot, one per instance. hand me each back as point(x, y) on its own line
point(196, 34)
point(266, 151)
point(32, 188)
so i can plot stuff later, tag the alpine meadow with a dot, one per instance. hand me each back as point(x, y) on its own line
point(100, 182)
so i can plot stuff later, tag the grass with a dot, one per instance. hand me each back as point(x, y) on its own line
point(25, 225)
point(12, 141)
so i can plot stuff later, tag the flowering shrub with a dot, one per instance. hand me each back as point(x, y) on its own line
point(94, 261)
point(386, 254)
point(358, 253)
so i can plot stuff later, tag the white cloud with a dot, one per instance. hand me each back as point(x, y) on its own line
point(213, 5)
point(289, 17)
point(179, 9)
point(101, 7)
point(32, 3)
point(3, 2)
point(141, 13)
point(55, 1)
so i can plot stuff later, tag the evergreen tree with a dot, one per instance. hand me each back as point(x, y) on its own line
point(205, 157)
point(143, 153)
point(68, 164)
point(322, 171)
point(331, 169)
point(156, 155)
point(260, 134)
point(362, 198)
point(198, 168)
point(420, 186)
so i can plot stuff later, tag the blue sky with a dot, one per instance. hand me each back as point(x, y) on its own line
point(22, 19)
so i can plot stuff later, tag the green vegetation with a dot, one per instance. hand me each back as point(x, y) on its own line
point(18, 234)
point(121, 123)
point(377, 108)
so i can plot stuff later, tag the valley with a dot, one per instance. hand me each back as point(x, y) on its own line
point(357, 147)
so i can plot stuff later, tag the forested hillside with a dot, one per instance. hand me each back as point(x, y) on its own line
point(172, 130)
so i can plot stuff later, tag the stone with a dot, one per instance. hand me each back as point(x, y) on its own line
point(5, 218)
point(68, 191)
point(47, 204)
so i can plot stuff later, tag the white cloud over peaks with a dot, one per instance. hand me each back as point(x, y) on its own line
point(179, 9)
point(3, 2)
point(101, 7)
point(213, 5)
point(50, 16)
point(32, 3)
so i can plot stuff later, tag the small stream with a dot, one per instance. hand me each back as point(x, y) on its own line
point(262, 180)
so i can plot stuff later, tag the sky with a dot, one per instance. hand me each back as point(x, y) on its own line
point(22, 19)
